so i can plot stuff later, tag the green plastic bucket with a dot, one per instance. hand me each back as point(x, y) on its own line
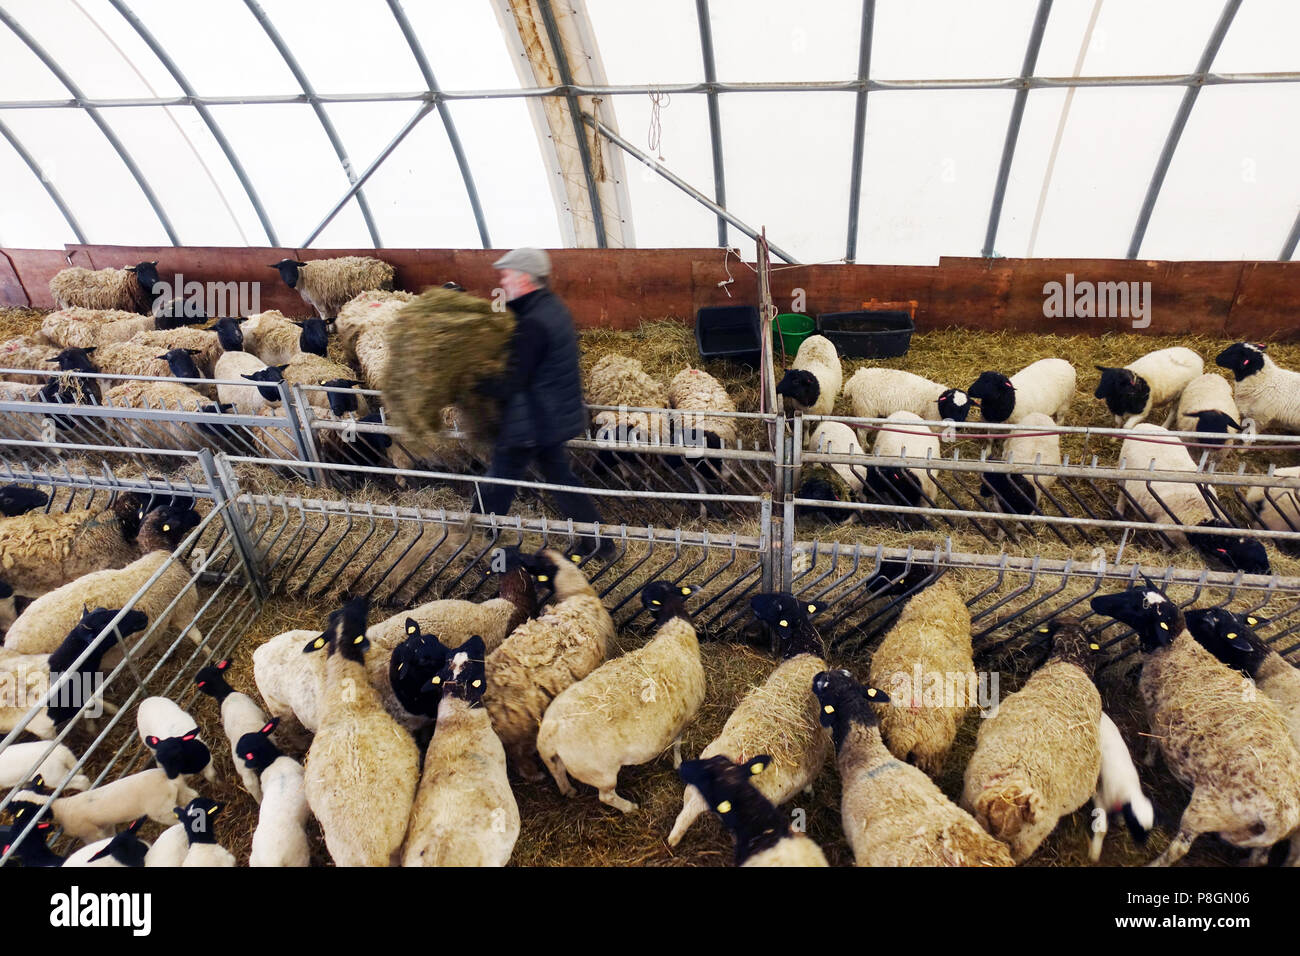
point(793, 328)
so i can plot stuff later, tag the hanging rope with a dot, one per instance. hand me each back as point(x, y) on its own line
point(654, 137)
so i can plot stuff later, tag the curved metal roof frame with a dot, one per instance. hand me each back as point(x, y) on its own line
point(434, 98)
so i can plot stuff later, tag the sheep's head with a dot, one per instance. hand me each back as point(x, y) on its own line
point(892, 485)
point(256, 750)
point(229, 334)
point(163, 529)
point(74, 360)
point(126, 847)
point(665, 600)
point(995, 396)
point(345, 631)
point(1071, 643)
point(1214, 422)
point(16, 500)
point(800, 387)
point(1229, 637)
point(1016, 493)
point(146, 273)
point(1156, 619)
point(729, 791)
point(1124, 391)
point(342, 403)
point(462, 674)
point(954, 404)
point(1243, 359)
point(288, 269)
point(791, 619)
point(211, 680)
point(842, 701)
point(270, 375)
point(1236, 554)
point(415, 661)
point(180, 756)
point(200, 819)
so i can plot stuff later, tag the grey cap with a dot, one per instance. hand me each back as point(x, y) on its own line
point(533, 261)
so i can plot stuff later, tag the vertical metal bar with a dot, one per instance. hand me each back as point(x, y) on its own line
point(859, 128)
point(715, 121)
point(770, 574)
point(300, 428)
point(1180, 121)
point(1013, 126)
point(225, 490)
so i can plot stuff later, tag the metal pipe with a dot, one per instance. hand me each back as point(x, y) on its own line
point(715, 121)
point(859, 128)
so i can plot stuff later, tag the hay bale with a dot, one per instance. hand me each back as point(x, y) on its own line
point(445, 343)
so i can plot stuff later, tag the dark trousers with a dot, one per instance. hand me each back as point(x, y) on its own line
point(553, 460)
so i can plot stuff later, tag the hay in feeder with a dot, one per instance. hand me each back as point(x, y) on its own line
point(440, 348)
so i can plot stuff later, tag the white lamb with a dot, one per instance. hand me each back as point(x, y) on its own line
point(905, 436)
point(879, 392)
point(19, 763)
point(1045, 386)
point(1206, 405)
point(1119, 791)
point(92, 815)
point(281, 836)
point(1156, 378)
point(1018, 493)
point(813, 383)
point(1264, 391)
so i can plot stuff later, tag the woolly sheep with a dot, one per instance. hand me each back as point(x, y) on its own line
point(834, 438)
point(813, 383)
point(778, 718)
point(240, 715)
point(200, 816)
point(170, 848)
point(1037, 757)
point(1018, 493)
point(1177, 502)
point(42, 626)
point(697, 391)
point(903, 436)
point(1232, 750)
point(1264, 390)
point(1206, 405)
point(1045, 386)
point(362, 768)
point(205, 345)
point(25, 352)
point(891, 812)
point(1278, 508)
point(1119, 791)
point(1149, 382)
point(763, 833)
point(289, 681)
point(281, 835)
point(372, 356)
point(618, 380)
point(629, 710)
point(251, 399)
point(173, 736)
point(879, 392)
point(121, 850)
point(306, 369)
point(465, 813)
point(129, 288)
point(544, 656)
point(21, 762)
point(365, 311)
point(929, 644)
point(271, 337)
point(329, 284)
point(129, 358)
point(92, 815)
point(88, 328)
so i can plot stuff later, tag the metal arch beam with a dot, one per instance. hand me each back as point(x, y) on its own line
point(1013, 126)
point(1288, 247)
point(575, 112)
point(204, 113)
point(35, 167)
point(292, 63)
point(466, 174)
point(53, 66)
point(715, 119)
point(859, 128)
point(1180, 121)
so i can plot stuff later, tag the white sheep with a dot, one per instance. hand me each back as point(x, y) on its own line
point(173, 736)
point(903, 435)
point(1149, 382)
point(170, 848)
point(1206, 405)
point(465, 813)
point(200, 816)
point(1177, 502)
point(240, 715)
point(1045, 386)
point(879, 392)
point(1018, 493)
point(631, 709)
point(695, 390)
point(329, 284)
point(289, 680)
point(121, 850)
point(92, 815)
point(813, 382)
point(618, 381)
point(129, 288)
point(372, 355)
point(1119, 791)
point(1264, 391)
point(129, 358)
point(251, 399)
point(21, 762)
point(281, 835)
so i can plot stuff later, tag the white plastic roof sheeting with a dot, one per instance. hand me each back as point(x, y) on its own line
point(1215, 153)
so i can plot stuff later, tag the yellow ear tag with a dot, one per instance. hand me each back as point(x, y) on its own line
point(783, 623)
point(1252, 621)
point(724, 806)
point(543, 578)
point(1232, 636)
point(812, 608)
point(756, 769)
point(871, 692)
point(652, 601)
point(435, 679)
point(410, 630)
point(358, 639)
point(828, 709)
point(1164, 626)
point(575, 558)
point(211, 810)
point(320, 642)
point(1094, 647)
point(686, 591)
point(1042, 630)
point(477, 683)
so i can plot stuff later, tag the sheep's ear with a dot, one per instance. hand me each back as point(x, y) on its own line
point(280, 368)
point(195, 351)
point(412, 626)
point(316, 644)
point(223, 665)
point(137, 824)
point(269, 729)
point(875, 695)
point(757, 765)
point(1254, 620)
point(1103, 368)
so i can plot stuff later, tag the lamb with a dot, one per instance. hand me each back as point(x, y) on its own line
point(929, 644)
point(903, 435)
point(88, 328)
point(813, 383)
point(618, 381)
point(465, 813)
point(240, 715)
point(40, 628)
point(281, 835)
point(1017, 493)
point(1264, 390)
point(1149, 382)
point(778, 718)
point(1119, 791)
point(247, 399)
point(362, 768)
point(40, 552)
point(1206, 405)
point(92, 815)
point(200, 816)
point(71, 390)
point(1045, 386)
point(629, 710)
point(542, 657)
point(173, 736)
point(17, 500)
point(891, 812)
point(123, 849)
point(33, 850)
point(271, 337)
point(129, 289)
point(837, 481)
point(21, 762)
point(879, 392)
point(1234, 752)
point(762, 832)
point(1171, 502)
point(1277, 508)
point(170, 848)
point(329, 284)
point(1038, 756)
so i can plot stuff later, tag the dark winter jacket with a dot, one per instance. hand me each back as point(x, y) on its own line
point(542, 389)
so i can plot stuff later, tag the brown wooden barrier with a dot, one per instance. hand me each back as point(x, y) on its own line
point(618, 288)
